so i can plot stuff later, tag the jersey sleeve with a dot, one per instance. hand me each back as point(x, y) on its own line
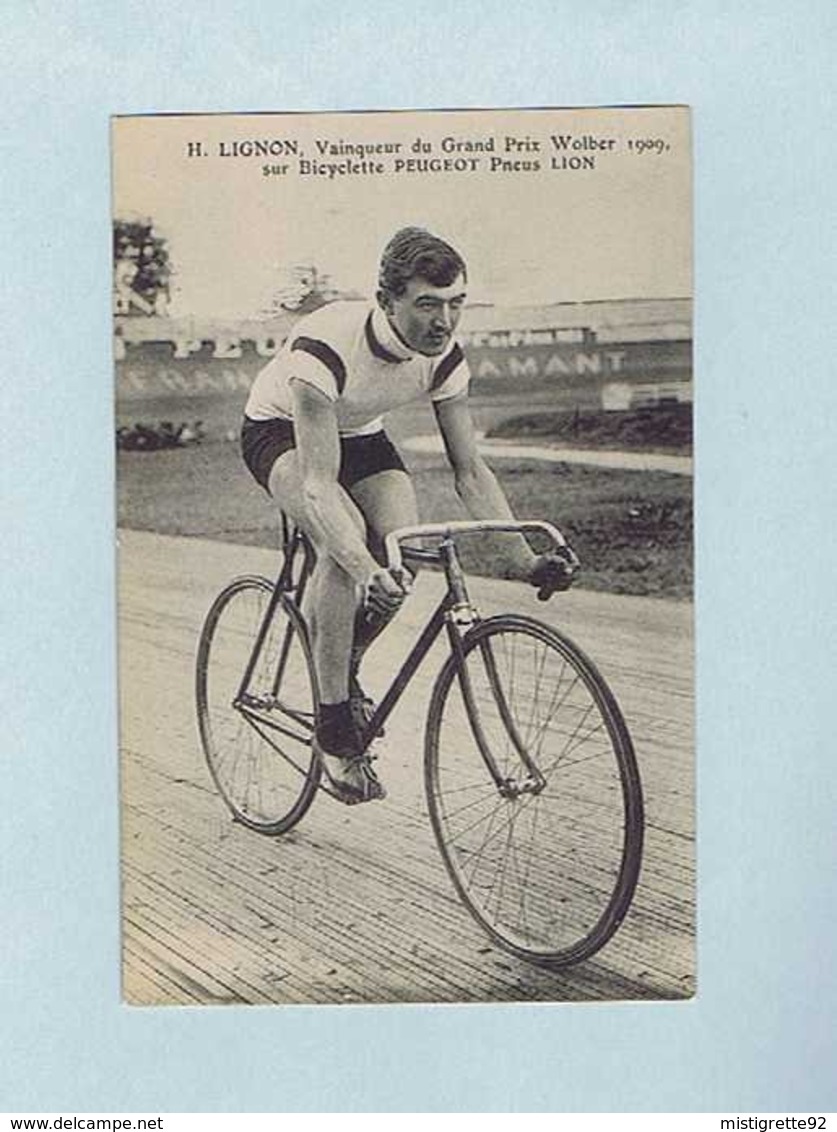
point(315, 362)
point(451, 376)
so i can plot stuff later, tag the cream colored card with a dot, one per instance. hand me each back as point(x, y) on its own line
point(537, 840)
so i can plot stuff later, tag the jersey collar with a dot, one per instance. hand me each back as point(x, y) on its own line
point(382, 340)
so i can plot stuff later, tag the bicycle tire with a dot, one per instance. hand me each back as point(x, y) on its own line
point(257, 740)
point(548, 874)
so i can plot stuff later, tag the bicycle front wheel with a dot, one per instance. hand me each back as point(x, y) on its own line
point(256, 696)
point(534, 792)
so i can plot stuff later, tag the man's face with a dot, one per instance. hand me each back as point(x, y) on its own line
point(425, 316)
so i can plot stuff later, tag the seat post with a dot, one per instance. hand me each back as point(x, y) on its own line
point(291, 539)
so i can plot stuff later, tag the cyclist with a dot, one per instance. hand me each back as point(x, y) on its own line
point(313, 437)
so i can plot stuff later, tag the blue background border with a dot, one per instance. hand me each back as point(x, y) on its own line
point(760, 1035)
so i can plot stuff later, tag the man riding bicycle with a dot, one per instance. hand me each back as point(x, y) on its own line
point(313, 437)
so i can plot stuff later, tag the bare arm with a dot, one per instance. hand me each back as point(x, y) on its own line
point(476, 485)
point(318, 445)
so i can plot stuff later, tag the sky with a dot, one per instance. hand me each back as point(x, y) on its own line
point(530, 235)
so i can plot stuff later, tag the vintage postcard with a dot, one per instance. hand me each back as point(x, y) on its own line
point(404, 431)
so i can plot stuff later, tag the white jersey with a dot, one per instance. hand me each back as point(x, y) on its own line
point(349, 352)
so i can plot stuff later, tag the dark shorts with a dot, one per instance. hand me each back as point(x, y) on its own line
point(263, 442)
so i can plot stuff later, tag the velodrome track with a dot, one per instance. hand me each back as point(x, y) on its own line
point(354, 905)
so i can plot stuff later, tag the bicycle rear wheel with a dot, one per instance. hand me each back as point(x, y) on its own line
point(257, 735)
point(534, 792)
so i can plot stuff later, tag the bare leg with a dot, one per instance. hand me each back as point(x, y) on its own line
point(329, 610)
point(331, 597)
point(387, 501)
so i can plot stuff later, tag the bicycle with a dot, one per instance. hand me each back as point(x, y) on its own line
point(531, 780)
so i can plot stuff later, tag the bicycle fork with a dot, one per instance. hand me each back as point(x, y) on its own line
point(461, 616)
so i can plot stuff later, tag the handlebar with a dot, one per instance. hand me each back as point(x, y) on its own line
point(442, 531)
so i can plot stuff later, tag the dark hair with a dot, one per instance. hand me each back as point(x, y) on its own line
point(416, 252)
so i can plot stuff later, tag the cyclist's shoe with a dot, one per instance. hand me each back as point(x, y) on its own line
point(362, 706)
point(351, 778)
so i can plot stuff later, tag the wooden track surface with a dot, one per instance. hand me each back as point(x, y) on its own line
point(355, 905)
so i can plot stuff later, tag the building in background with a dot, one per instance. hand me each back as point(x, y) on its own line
point(613, 354)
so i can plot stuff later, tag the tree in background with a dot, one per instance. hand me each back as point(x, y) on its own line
point(141, 268)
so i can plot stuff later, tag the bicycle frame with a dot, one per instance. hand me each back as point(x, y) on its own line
point(453, 613)
point(453, 609)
